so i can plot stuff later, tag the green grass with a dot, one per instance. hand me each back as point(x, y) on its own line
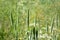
point(16, 17)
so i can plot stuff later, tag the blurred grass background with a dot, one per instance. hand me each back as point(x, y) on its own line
point(17, 17)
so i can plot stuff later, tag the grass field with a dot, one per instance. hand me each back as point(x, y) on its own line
point(19, 17)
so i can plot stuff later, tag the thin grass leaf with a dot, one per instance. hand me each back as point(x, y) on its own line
point(52, 24)
point(28, 23)
point(47, 28)
point(28, 19)
point(12, 21)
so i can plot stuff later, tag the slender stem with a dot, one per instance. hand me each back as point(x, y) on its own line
point(28, 18)
point(52, 24)
point(28, 23)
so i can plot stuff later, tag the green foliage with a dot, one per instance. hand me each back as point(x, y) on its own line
point(17, 17)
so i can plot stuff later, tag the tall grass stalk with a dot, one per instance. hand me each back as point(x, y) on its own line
point(47, 28)
point(16, 28)
point(56, 26)
point(14, 23)
point(35, 26)
point(52, 25)
point(28, 18)
point(11, 18)
point(28, 23)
